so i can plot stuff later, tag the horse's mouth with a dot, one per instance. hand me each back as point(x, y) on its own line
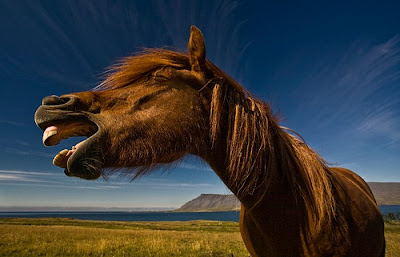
point(82, 160)
point(56, 133)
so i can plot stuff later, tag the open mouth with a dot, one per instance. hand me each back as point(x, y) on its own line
point(55, 133)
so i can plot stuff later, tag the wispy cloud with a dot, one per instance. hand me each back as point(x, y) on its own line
point(13, 123)
point(9, 177)
point(176, 185)
point(25, 152)
point(28, 176)
point(191, 166)
point(28, 173)
point(159, 183)
point(53, 43)
point(357, 91)
point(44, 179)
point(23, 143)
point(17, 180)
point(372, 68)
point(83, 38)
point(381, 123)
point(50, 185)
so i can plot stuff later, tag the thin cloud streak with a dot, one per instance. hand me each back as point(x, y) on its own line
point(13, 123)
point(23, 143)
point(177, 185)
point(63, 186)
point(162, 184)
point(9, 177)
point(24, 152)
point(382, 123)
point(42, 183)
point(30, 177)
point(189, 166)
point(5, 177)
point(30, 173)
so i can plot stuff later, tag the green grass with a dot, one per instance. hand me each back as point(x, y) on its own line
point(71, 237)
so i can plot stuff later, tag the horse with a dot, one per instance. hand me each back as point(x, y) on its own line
point(159, 105)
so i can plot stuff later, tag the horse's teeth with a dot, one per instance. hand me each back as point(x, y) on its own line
point(47, 135)
point(60, 160)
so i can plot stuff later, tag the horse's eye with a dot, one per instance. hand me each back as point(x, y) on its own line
point(160, 75)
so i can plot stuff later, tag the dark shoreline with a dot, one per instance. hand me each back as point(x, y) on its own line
point(127, 210)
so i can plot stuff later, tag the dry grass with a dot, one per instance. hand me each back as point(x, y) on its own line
point(69, 237)
point(392, 234)
point(43, 238)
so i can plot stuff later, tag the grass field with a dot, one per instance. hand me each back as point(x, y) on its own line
point(70, 237)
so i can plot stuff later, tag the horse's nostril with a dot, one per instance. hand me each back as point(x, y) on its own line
point(54, 100)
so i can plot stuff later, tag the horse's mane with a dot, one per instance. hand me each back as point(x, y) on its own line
point(259, 151)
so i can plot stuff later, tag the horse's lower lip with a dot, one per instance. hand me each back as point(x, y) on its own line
point(87, 161)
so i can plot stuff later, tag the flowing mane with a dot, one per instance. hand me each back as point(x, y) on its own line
point(260, 152)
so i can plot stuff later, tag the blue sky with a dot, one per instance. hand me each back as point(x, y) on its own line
point(331, 69)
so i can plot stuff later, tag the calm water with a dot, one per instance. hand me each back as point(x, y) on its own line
point(149, 216)
point(130, 216)
point(385, 209)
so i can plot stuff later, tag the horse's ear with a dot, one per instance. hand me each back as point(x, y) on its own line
point(197, 51)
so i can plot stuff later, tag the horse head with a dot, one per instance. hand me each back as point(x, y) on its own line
point(150, 110)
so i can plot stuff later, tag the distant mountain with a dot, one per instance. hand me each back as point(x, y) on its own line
point(211, 202)
point(385, 194)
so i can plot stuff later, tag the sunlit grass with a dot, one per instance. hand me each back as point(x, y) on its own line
point(43, 237)
point(69, 237)
point(392, 235)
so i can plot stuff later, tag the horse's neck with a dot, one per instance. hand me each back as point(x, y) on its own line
point(276, 194)
point(275, 212)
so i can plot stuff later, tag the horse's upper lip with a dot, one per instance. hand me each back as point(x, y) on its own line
point(58, 131)
point(45, 117)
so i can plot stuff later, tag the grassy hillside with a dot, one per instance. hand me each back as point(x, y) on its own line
point(69, 237)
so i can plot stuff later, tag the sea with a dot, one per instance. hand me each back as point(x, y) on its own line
point(150, 216)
